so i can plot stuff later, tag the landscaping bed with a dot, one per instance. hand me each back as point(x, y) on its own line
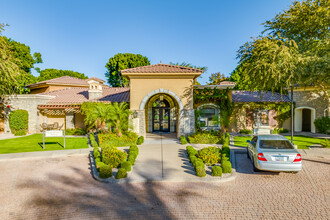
point(211, 160)
point(111, 163)
point(112, 139)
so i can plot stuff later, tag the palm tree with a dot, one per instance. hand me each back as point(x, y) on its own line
point(119, 114)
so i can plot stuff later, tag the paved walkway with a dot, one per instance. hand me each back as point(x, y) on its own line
point(163, 158)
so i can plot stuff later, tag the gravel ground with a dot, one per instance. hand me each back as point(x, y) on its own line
point(62, 188)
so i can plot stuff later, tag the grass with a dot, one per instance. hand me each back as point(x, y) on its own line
point(302, 141)
point(34, 143)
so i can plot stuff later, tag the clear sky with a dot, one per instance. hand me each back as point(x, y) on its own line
point(82, 35)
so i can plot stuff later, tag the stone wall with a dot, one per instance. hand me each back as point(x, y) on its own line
point(308, 98)
point(28, 102)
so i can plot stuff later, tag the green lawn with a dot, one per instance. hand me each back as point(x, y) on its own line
point(34, 143)
point(302, 141)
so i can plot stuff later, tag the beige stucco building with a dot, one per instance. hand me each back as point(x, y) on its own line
point(161, 99)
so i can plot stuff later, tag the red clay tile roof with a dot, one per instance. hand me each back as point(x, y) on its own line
point(64, 80)
point(96, 79)
point(162, 68)
point(256, 96)
point(76, 95)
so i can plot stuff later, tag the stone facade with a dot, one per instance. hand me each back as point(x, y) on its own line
point(29, 103)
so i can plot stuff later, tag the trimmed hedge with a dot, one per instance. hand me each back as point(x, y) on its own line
point(322, 124)
point(75, 131)
point(204, 138)
point(92, 140)
point(216, 171)
point(226, 166)
point(122, 173)
point(105, 171)
point(19, 122)
point(183, 140)
point(191, 151)
point(200, 170)
point(132, 154)
point(96, 153)
point(127, 165)
point(140, 140)
point(245, 131)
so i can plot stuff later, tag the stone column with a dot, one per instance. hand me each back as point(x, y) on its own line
point(186, 122)
point(69, 120)
point(139, 123)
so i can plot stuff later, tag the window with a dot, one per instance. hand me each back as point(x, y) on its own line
point(160, 103)
point(261, 117)
point(209, 117)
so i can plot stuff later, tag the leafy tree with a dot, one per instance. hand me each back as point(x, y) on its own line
point(295, 50)
point(25, 61)
point(47, 74)
point(216, 78)
point(184, 64)
point(9, 70)
point(120, 62)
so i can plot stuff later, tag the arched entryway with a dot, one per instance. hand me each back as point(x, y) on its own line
point(304, 119)
point(161, 114)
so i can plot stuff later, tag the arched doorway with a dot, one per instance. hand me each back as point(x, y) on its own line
point(304, 119)
point(161, 113)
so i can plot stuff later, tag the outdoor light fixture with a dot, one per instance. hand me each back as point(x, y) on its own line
point(135, 114)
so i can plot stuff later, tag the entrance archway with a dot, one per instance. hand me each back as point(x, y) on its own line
point(304, 119)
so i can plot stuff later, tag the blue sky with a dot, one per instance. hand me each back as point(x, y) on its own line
point(83, 35)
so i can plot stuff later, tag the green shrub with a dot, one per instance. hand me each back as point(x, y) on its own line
point(20, 133)
point(325, 143)
point(131, 159)
point(209, 155)
point(280, 130)
point(75, 131)
point(134, 148)
point(225, 150)
point(322, 124)
point(127, 165)
point(200, 170)
point(113, 157)
point(198, 162)
point(122, 173)
point(140, 140)
point(98, 159)
point(111, 139)
point(216, 171)
point(96, 153)
point(98, 165)
point(245, 131)
point(226, 166)
point(204, 138)
point(19, 122)
point(191, 151)
point(193, 159)
point(105, 171)
point(183, 139)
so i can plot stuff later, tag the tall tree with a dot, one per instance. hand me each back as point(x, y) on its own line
point(9, 70)
point(47, 74)
point(185, 64)
point(295, 49)
point(216, 78)
point(21, 56)
point(120, 62)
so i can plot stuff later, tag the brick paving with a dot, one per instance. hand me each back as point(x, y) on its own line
point(62, 188)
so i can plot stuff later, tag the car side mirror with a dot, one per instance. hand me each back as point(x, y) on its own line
point(248, 141)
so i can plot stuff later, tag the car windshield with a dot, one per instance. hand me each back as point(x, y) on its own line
point(275, 144)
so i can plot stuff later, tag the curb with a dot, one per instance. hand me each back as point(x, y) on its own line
point(112, 180)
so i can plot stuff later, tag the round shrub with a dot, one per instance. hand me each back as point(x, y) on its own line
point(191, 151)
point(192, 159)
point(98, 159)
point(134, 148)
point(122, 173)
point(200, 171)
point(131, 159)
point(127, 165)
point(225, 150)
point(96, 153)
point(198, 162)
point(226, 166)
point(322, 124)
point(105, 171)
point(183, 139)
point(216, 171)
point(140, 140)
point(113, 157)
point(19, 122)
point(209, 155)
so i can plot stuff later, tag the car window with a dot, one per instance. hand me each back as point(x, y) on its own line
point(254, 141)
point(275, 144)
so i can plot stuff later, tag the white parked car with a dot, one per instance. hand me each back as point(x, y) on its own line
point(273, 153)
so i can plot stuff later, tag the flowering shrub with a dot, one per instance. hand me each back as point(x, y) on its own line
point(209, 155)
point(112, 139)
point(204, 138)
point(113, 157)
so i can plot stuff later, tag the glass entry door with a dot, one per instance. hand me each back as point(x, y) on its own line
point(160, 119)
